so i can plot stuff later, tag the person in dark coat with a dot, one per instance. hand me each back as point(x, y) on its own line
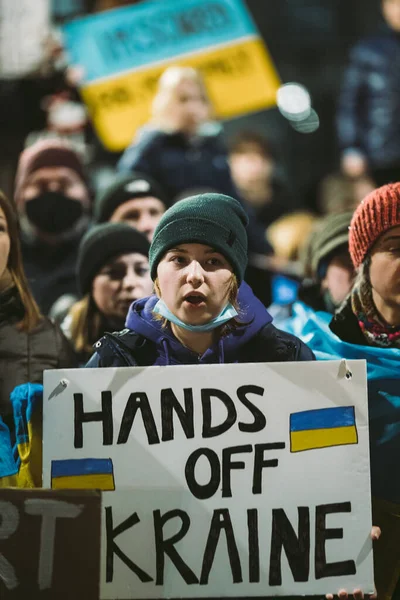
point(182, 149)
point(29, 342)
point(369, 104)
point(371, 317)
point(202, 313)
point(53, 201)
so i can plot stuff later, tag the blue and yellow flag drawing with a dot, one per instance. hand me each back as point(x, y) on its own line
point(83, 474)
point(383, 371)
point(322, 428)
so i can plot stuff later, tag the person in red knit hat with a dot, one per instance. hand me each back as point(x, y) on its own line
point(371, 317)
point(371, 314)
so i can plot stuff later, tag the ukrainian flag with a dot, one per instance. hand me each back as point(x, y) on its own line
point(83, 474)
point(322, 428)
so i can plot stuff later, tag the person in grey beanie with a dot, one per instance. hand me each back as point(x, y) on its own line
point(112, 272)
point(202, 311)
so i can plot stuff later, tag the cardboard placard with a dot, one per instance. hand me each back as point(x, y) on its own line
point(124, 52)
point(49, 544)
point(229, 480)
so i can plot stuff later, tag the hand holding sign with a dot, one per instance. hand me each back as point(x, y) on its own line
point(358, 594)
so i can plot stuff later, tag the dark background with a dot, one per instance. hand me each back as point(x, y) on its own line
point(309, 42)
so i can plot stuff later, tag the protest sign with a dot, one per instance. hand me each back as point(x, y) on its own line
point(49, 544)
point(124, 51)
point(24, 26)
point(229, 480)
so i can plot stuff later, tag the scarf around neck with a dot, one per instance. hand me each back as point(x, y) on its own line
point(374, 329)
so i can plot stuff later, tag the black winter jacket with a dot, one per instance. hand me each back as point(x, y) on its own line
point(24, 356)
point(127, 348)
point(344, 324)
point(369, 104)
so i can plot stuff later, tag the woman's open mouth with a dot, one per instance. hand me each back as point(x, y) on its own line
point(194, 300)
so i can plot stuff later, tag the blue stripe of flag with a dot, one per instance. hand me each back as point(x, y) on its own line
point(81, 466)
point(323, 418)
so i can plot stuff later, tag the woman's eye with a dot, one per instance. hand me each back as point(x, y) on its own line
point(142, 271)
point(115, 274)
point(178, 260)
point(214, 262)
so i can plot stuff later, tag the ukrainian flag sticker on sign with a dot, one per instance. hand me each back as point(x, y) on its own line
point(83, 474)
point(322, 428)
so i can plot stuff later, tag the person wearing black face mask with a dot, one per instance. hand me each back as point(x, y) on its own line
point(53, 202)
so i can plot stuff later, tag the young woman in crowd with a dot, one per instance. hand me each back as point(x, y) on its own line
point(182, 148)
point(177, 148)
point(371, 317)
point(197, 316)
point(29, 342)
point(112, 272)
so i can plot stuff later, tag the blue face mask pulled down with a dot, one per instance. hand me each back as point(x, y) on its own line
point(224, 316)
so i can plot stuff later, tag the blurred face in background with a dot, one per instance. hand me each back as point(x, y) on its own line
point(56, 179)
point(4, 242)
point(120, 282)
point(54, 200)
point(339, 278)
point(252, 173)
point(391, 13)
point(143, 214)
point(188, 106)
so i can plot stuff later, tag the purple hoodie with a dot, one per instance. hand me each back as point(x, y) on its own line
point(171, 352)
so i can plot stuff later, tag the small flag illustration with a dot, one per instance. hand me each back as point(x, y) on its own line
point(323, 428)
point(83, 474)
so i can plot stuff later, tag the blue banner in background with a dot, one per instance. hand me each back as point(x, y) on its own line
point(120, 40)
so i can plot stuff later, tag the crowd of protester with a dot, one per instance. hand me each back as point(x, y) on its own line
point(191, 251)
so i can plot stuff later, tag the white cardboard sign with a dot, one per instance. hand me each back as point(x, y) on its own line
point(229, 480)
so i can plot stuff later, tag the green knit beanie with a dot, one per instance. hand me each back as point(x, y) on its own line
point(212, 219)
point(332, 233)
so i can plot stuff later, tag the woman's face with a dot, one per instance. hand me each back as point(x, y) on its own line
point(194, 281)
point(189, 108)
point(4, 242)
point(121, 281)
point(384, 272)
point(143, 214)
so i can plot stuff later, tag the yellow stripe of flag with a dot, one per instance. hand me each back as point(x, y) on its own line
point(93, 481)
point(322, 438)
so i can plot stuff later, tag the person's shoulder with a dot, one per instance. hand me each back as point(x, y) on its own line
point(374, 47)
point(279, 346)
point(121, 349)
point(345, 326)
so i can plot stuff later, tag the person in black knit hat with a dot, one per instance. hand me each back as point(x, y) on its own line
point(112, 272)
point(135, 199)
point(202, 311)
